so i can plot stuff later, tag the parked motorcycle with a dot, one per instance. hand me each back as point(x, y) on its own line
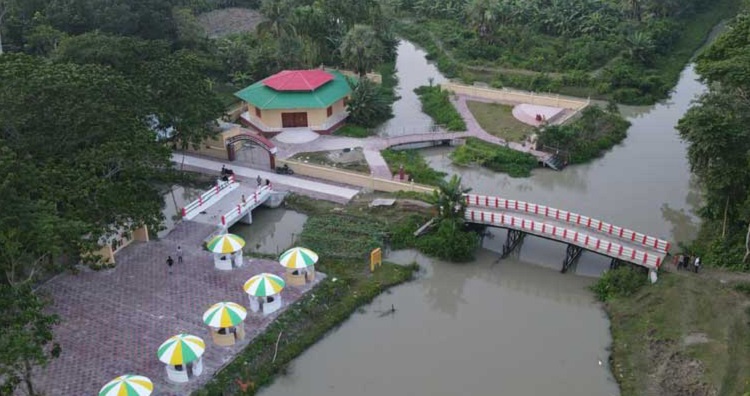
point(284, 170)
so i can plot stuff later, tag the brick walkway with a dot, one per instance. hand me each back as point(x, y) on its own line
point(113, 321)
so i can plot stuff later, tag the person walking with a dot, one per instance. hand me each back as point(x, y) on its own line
point(170, 261)
point(697, 264)
point(179, 254)
point(259, 180)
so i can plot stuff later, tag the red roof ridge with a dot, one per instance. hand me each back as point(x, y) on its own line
point(298, 80)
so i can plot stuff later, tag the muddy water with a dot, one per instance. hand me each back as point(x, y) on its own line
point(413, 71)
point(515, 327)
point(272, 232)
point(174, 201)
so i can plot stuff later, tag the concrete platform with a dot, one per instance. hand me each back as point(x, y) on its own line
point(527, 113)
point(296, 136)
point(113, 321)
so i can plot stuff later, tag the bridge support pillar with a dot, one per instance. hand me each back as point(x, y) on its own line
point(572, 253)
point(512, 241)
point(246, 219)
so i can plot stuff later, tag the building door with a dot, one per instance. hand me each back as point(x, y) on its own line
point(293, 120)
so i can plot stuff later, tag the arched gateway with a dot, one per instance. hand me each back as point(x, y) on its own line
point(233, 142)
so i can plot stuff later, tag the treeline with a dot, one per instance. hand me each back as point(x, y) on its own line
point(716, 130)
point(624, 49)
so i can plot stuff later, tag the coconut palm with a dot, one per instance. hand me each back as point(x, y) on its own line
point(278, 18)
point(640, 46)
point(449, 198)
point(361, 49)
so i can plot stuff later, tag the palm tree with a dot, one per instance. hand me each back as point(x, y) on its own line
point(278, 14)
point(481, 13)
point(449, 198)
point(361, 49)
point(640, 47)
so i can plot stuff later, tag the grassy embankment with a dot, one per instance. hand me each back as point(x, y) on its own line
point(494, 157)
point(343, 240)
point(685, 335)
point(414, 165)
point(436, 104)
point(497, 119)
point(437, 38)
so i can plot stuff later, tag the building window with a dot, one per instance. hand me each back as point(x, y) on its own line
point(257, 112)
point(329, 111)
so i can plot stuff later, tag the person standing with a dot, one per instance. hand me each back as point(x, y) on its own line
point(170, 261)
point(179, 254)
point(697, 264)
point(259, 180)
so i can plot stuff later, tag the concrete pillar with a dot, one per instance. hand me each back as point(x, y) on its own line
point(247, 218)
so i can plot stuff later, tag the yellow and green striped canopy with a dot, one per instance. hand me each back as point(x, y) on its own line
point(225, 314)
point(181, 349)
point(128, 385)
point(298, 257)
point(264, 284)
point(226, 243)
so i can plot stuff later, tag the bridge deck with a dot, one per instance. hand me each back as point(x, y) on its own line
point(569, 233)
point(569, 219)
point(212, 213)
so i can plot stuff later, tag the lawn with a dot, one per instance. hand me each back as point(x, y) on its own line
point(352, 160)
point(498, 120)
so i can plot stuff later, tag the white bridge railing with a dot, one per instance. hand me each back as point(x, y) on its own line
point(249, 203)
point(193, 208)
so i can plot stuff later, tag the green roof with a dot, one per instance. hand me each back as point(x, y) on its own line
point(265, 98)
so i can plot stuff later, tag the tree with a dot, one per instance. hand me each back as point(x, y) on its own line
point(3, 11)
point(189, 30)
point(367, 106)
point(361, 49)
point(86, 142)
point(26, 337)
point(481, 13)
point(278, 14)
point(449, 199)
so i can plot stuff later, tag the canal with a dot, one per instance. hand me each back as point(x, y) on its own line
point(517, 326)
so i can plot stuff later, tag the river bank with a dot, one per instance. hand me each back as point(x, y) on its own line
point(685, 335)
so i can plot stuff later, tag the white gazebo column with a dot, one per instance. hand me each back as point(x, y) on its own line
point(254, 304)
point(273, 306)
point(175, 375)
point(238, 258)
point(222, 261)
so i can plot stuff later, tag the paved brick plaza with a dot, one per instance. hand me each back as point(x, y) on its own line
point(113, 321)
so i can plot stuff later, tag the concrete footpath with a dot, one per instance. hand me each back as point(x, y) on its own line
point(293, 183)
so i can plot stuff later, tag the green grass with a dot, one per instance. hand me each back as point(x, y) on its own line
point(494, 157)
point(498, 120)
point(436, 104)
point(649, 353)
point(321, 158)
point(355, 131)
point(331, 302)
point(414, 166)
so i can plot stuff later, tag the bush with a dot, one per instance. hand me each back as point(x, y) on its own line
point(414, 166)
point(352, 130)
point(436, 103)
point(494, 157)
point(369, 104)
point(620, 282)
point(588, 137)
point(450, 241)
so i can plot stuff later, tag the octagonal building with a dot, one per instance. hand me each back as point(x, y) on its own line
point(307, 99)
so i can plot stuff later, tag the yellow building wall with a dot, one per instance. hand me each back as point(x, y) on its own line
point(315, 117)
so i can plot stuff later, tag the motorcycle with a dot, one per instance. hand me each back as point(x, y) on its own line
point(284, 170)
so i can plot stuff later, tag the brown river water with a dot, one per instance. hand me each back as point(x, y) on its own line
point(512, 327)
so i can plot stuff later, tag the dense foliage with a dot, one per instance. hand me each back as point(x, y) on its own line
point(588, 137)
point(623, 49)
point(450, 240)
point(414, 166)
point(26, 337)
point(716, 130)
point(368, 105)
point(494, 157)
point(437, 104)
point(623, 281)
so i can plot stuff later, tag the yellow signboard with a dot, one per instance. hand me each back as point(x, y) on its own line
point(376, 258)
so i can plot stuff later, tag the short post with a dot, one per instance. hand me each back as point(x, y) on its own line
point(184, 212)
point(376, 258)
point(223, 220)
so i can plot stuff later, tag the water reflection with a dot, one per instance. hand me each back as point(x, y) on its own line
point(272, 232)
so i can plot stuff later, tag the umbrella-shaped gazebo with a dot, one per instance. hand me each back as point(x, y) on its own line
point(300, 265)
point(226, 321)
point(182, 354)
point(128, 385)
point(227, 250)
point(263, 291)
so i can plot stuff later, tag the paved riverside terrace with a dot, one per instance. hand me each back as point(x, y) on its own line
point(113, 321)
